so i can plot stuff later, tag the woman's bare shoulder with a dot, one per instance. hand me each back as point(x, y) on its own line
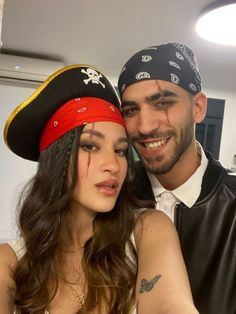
point(154, 219)
point(7, 256)
point(8, 262)
point(154, 227)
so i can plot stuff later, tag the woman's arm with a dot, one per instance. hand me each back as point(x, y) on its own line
point(162, 282)
point(7, 286)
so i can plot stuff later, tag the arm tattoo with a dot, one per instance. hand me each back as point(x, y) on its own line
point(147, 285)
point(11, 296)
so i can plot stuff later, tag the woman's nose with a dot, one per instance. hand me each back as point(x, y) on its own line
point(110, 162)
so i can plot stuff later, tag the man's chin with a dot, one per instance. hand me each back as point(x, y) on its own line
point(157, 167)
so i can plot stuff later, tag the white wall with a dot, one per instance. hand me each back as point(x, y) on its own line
point(15, 171)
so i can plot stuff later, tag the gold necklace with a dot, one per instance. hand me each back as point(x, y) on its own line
point(78, 296)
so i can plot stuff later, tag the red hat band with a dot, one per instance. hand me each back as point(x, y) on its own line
point(76, 112)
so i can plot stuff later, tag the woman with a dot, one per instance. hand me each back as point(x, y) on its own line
point(84, 245)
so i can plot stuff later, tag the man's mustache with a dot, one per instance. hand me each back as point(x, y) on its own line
point(137, 137)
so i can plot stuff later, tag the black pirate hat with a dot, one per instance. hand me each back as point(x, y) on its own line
point(24, 126)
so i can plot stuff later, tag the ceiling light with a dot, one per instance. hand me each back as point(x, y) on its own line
point(217, 23)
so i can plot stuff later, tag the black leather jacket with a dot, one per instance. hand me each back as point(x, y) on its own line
point(207, 233)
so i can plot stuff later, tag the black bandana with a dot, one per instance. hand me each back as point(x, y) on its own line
point(172, 62)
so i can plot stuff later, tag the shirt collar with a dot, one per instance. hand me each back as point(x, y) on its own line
point(190, 190)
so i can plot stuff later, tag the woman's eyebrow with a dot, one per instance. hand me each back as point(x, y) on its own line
point(121, 139)
point(94, 132)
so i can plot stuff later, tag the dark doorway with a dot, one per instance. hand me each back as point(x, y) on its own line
point(208, 132)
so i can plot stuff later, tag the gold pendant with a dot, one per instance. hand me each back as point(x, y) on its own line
point(79, 297)
point(80, 300)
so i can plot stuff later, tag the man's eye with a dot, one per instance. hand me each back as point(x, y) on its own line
point(129, 111)
point(163, 104)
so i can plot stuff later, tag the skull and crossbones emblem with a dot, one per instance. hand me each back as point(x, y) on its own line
point(93, 77)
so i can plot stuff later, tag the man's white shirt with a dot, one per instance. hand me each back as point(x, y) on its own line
point(187, 193)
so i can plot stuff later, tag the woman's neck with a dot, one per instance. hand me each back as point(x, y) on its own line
point(77, 228)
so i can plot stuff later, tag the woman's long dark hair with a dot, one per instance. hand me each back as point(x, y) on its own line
point(110, 273)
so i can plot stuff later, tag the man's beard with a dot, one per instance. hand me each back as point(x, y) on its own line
point(185, 139)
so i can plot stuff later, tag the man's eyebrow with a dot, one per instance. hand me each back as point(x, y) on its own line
point(156, 96)
point(128, 103)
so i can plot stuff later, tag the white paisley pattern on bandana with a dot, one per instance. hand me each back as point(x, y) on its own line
point(173, 62)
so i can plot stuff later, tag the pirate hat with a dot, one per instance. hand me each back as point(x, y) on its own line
point(26, 123)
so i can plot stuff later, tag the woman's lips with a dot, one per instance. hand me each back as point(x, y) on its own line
point(108, 187)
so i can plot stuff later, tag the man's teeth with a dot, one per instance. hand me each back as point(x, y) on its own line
point(155, 145)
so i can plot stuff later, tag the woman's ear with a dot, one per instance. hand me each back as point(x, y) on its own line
point(199, 107)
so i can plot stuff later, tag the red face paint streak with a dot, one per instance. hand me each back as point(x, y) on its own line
point(89, 153)
point(162, 98)
point(167, 115)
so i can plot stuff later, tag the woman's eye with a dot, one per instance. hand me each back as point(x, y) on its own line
point(122, 152)
point(88, 147)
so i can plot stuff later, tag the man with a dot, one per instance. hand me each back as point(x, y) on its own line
point(162, 101)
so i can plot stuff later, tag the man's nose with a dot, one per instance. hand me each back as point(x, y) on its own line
point(148, 121)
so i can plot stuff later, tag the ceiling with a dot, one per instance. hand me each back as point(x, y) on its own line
point(105, 33)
